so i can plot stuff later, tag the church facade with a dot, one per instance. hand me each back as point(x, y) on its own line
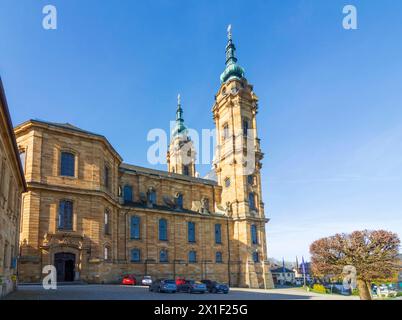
point(96, 218)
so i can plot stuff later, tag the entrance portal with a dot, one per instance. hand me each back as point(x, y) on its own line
point(65, 265)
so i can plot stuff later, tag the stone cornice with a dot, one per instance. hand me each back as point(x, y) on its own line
point(20, 129)
point(123, 208)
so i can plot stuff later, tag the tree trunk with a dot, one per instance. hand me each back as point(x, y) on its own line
point(364, 291)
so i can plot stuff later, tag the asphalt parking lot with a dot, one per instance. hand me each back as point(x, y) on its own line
point(119, 292)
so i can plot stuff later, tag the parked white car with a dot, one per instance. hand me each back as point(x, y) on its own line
point(146, 281)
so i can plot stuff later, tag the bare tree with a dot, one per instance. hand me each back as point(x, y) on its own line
point(374, 254)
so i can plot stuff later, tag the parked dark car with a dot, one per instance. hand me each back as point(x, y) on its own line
point(216, 287)
point(163, 285)
point(191, 286)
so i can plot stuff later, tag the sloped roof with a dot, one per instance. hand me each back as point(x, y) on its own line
point(165, 174)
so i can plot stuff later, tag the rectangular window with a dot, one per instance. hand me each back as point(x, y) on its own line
point(23, 159)
point(67, 167)
point(179, 202)
point(163, 230)
point(151, 197)
point(192, 257)
point(107, 256)
point(191, 231)
point(163, 256)
point(107, 222)
point(186, 170)
point(256, 257)
point(245, 127)
point(135, 255)
point(218, 257)
point(107, 177)
point(254, 236)
point(218, 233)
point(135, 228)
point(65, 215)
point(5, 255)
point(127, 194)
point(225, 131)
point(251, 201)
point(12, 258)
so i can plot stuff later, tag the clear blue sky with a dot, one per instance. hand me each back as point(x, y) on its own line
point(330, 99)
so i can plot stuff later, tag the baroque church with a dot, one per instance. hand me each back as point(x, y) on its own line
point(96, 218)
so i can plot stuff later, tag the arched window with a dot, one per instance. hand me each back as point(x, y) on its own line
point(163, 230)
point(218, 233)
point(251, 201)
point(227, 182)
point(254, 235)
point(186, 170)
point(135, 255)
point(163, 256)
point(67, 165)
point(192, 257)
point(135, 227)
point(191, 231)
point(151, 196)
point(179, 201)
point(218, 257)
point(107, 221)
point(250, 179)
point(128, 194)
point(65, 215)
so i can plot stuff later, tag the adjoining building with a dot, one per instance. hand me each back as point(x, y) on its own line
point(12, 185)
point(96, 218)
point(283, 276)
point(303, 273)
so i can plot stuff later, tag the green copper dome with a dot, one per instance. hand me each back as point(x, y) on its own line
point(232, 70)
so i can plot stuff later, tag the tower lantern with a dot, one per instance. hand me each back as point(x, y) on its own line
point(181, 154)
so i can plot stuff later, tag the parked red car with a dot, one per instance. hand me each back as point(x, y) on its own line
point(180, 281)
point(129, 280)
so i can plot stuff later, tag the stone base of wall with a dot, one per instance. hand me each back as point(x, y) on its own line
point(6, 286)
point(100, 272)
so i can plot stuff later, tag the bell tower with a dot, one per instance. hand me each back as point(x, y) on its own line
point(181, 155)
point(237, 166)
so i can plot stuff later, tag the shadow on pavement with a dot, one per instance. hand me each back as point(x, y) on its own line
point(117, 292)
